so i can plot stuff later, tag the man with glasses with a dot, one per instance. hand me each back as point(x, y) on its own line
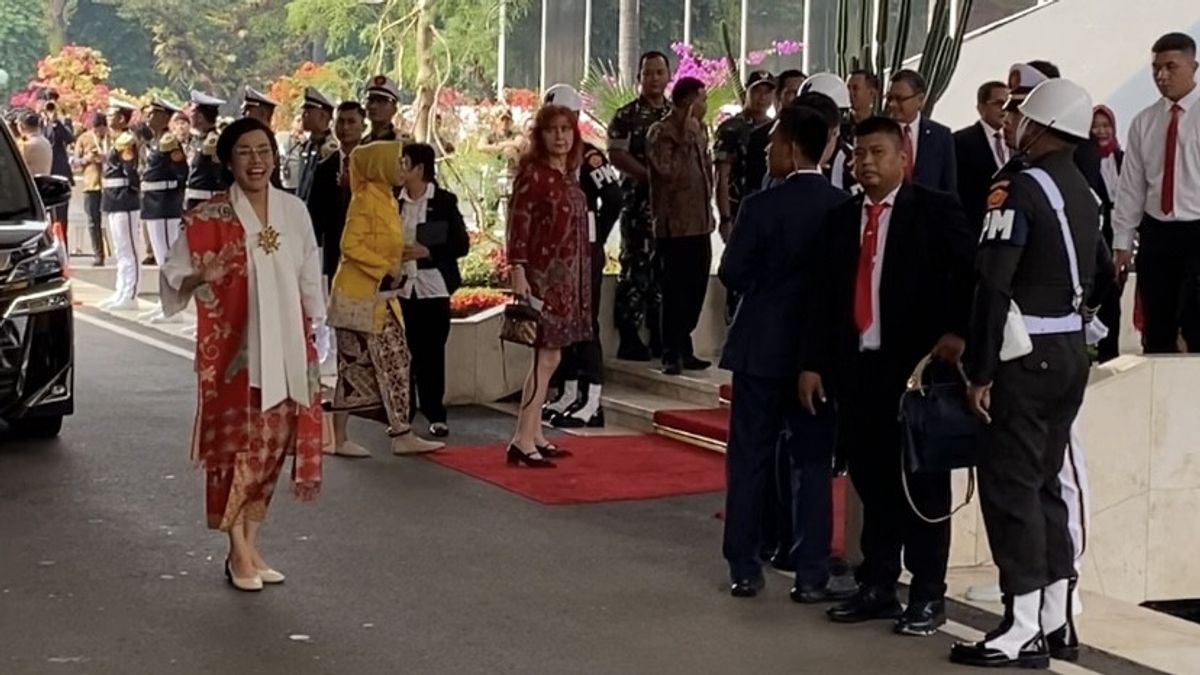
point(981, 150)
point(928, 146)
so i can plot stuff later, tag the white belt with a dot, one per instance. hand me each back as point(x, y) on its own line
point(199, 194)
point(115, 182)
point(159, 185)
point(1051, 325)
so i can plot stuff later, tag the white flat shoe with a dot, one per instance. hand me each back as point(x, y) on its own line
point(160, 318)
point(250, 585)
point(411, 444)
point(130, 305)
point(270, 576)
point(352, 449)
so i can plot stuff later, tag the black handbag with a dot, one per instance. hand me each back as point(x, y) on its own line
point(938, 431)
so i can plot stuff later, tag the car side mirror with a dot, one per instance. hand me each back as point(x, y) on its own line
point(54, 190)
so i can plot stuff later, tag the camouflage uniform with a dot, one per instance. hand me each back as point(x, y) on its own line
point(638, 295)
point(733, 146)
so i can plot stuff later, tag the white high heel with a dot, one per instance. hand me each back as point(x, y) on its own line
point(251, 584)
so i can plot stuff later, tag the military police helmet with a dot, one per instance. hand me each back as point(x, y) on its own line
point(563, 95)
point(1060, 104)
point(829, 84)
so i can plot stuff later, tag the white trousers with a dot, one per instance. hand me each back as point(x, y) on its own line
point(163, 234)
point(123, 230)
point(1075, 493)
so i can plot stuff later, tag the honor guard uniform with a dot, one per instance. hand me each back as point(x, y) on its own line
point(258, 105)
point(164, 175)
point(638, 296)
point(320, 144)
point(205, 177)
point(583, 364)
point(382, 99)
point(120, 204)
point(1028, 365)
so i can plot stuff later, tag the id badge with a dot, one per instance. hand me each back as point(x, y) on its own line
point(591, 227)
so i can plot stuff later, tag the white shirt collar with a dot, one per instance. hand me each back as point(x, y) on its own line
point(429, 190)
point(989, 130)
point(1187, 102)
point(802, 172)
point(890, 199)
point(915, 124)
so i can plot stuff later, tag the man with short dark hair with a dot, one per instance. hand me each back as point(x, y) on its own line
point(870, 328)
point(35, 149)
point(90, 150)
point(928, 146)
point(60, 131)
point(1159, 199)
point(757, 176)
point(981, 151)
point(120, 204)
point(731, 151)
point(638, 298)
point(330, 195)
point(681, 190)
point(864, 91)
point(767, 259)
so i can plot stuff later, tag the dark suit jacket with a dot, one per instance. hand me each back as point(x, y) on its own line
point(443, 207)
point(925, 291)
point(976, 168)
point(936, 167)
point(767, 260)
point(327, 206)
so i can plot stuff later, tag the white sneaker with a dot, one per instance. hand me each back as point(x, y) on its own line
point(352, 449)
point(130, 305)
point(411, 444)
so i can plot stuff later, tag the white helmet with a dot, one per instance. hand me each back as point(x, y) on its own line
point(564, 95)
point(1060, 104)
point(829, 84)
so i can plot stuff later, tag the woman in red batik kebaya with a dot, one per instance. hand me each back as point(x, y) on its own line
point(251, 261)
point(549, 260)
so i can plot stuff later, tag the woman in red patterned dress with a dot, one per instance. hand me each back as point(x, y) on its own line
point(549, 259)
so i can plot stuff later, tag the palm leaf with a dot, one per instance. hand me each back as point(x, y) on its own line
point(603, 92)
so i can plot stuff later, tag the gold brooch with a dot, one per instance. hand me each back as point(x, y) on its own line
point(268, 240)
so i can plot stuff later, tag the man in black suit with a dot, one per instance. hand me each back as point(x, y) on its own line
point(928, 146)
point(766, 261)
point(980, 151)
point(895, 283)
point(330, 195)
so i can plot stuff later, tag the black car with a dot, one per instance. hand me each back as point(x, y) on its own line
point(37, 333)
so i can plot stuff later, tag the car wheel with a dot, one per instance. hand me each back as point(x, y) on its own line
point(36, 427)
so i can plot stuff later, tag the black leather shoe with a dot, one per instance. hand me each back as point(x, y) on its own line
point(782, 562)
point(633, 351)
point(693, 363)
point(807, 594)
point(1063, 644)
point(1033, 655)
point(748, 587)
point(868, 604)
point(922, 619)
point(673, 367)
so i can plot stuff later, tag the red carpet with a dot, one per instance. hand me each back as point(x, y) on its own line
point(725, 393)
point(708, 423)
point(604, 469)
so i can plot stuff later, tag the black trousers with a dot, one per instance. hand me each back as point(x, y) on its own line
point(891, 529)
point(684, 266)
point(427, 327)
point(1110, 314)
point(584, 361)
point(777, 522)
point(1168, 269)
point(765, 417)
point(1034, 401)
point(91, 205)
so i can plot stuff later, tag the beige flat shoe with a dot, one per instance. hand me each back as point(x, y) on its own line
point(411, 444)
point(251, 584)
point(352, 449)
point(270, 576)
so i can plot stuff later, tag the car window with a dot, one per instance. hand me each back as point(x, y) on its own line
point(17, 200)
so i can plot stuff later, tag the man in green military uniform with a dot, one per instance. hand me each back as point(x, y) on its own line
point(731, 149)
point(638, 295)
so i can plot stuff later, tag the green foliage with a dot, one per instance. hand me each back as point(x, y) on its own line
point(22, 41)
point(124, 42)
point(605, 93)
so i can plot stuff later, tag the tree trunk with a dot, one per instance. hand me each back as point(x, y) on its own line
point(628, 41)
point(57, 17)
point(425, 71)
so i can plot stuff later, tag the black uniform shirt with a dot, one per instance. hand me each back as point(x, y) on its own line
point(121, 164)
point(1022, 256)
point(316, 149)
point(602, 189)
point(165, 163)
point(205, 171)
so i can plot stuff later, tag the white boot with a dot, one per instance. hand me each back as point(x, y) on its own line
point(1018, 641)
point(570, 392)
point(586, 414)
point(411, 444)
point(1058, 621)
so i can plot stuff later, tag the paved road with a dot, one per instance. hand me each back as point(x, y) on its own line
point(402, 567)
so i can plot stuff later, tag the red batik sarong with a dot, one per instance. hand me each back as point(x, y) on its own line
point(241, 447)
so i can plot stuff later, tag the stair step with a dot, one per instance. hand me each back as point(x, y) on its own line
point(635, 408)
point(707, 427)
point(697, 388)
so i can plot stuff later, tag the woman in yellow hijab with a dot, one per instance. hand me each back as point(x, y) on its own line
point(373, 358)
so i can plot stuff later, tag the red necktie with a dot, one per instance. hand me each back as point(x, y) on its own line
point(1000, 159)
point(863, 309)
point(1168, 187)
point(910, 159)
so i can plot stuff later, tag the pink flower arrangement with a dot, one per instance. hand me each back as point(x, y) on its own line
point(787, 47)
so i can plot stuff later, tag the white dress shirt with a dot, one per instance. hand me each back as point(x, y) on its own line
point(872, 338)
point(993, 134)
point(1112, 176)
point(419, 283)
point(915, 126)
point(1141, 181)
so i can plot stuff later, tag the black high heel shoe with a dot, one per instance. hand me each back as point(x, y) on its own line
point(516, 456)
point(552, 451)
